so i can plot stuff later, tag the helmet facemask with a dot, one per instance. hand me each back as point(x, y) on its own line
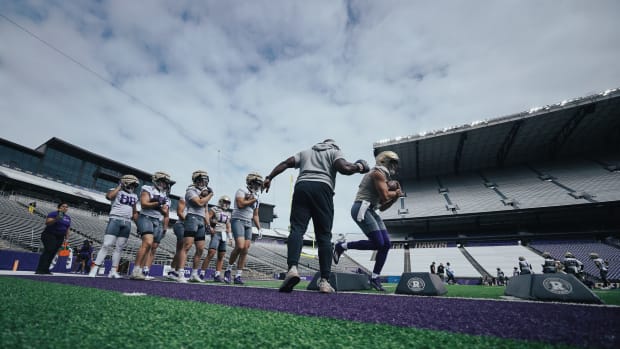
point(129, 183)
point(254, 182)
point(201, 182)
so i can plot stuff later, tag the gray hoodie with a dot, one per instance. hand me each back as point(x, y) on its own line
point(317, 164)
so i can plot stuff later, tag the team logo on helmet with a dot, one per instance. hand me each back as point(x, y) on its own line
point(557, 286)
point(415, 284)
point(389, 160)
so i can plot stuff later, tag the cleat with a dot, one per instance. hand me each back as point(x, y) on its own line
point(325, 287)
point(137, 275)
point(114, 275)
point(93, 271)
point(181, 279)
point(291, 279)
point(217, 279)
point(195, 278)
point(376, 284)
point(227, 276)
point(238, 280)
point(172, 276)
point(338, 251)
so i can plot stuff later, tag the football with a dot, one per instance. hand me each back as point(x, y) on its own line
point(393, 185)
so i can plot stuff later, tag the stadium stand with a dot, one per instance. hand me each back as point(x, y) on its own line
point(421, 259)
point(581, 250)
point(505, 257)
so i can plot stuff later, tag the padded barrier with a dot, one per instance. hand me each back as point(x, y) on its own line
point(554, 287)
point(421, 284)
point(342, 281)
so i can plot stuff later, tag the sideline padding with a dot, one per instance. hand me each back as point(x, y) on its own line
point(421, 284)
point(342, 282)
point(554, 287)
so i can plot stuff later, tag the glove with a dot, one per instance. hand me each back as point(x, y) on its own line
point(161, 200)
point(365, 167)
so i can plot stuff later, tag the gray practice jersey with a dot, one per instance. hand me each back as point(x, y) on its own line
point(220, 218)
point(193, 208)
point(367, 190)
point(123, 203)
point(317, 164)
point(154, 195)
point(247, 212)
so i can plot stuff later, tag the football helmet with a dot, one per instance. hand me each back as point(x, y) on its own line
point(162, 181)
point(521, 258)
point(569, 255)
point(389, 160)
point(200, 178)
point(129, 183)
point(224, 202)
point(254, 181)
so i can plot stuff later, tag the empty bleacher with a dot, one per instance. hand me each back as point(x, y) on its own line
point(525, 185)
point(505, 257)
point(421, 259)
point(581, 250)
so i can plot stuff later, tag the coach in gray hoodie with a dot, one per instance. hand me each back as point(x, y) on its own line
point(313, 197)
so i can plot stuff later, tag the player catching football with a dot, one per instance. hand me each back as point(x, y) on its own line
point(376, 191)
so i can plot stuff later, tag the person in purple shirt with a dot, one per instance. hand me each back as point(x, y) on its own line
point(56, 231)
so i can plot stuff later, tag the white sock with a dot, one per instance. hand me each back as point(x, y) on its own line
point(293, 269)
point(238, 272)
point(217, 273)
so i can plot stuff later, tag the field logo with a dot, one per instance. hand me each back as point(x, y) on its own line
point(557, 286)
point(416, 284)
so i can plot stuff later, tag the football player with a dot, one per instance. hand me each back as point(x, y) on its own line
point(244, 213)
point(122, 213)
point(221, 231)
point(152, 220)
point(377, 191)
point(197, 197)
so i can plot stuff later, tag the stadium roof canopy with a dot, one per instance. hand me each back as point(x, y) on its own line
point(583, 127)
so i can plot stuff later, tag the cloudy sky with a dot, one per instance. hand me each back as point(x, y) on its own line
point(237, 86)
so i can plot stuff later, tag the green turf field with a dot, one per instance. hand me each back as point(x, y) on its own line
point(47, 315)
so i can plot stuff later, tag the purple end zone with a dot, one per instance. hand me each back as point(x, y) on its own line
point(579, 325)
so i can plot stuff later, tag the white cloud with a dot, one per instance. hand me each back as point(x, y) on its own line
point(241, 86)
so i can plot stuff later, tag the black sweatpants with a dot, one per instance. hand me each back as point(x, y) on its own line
point(51, 244)
point(312, 200)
